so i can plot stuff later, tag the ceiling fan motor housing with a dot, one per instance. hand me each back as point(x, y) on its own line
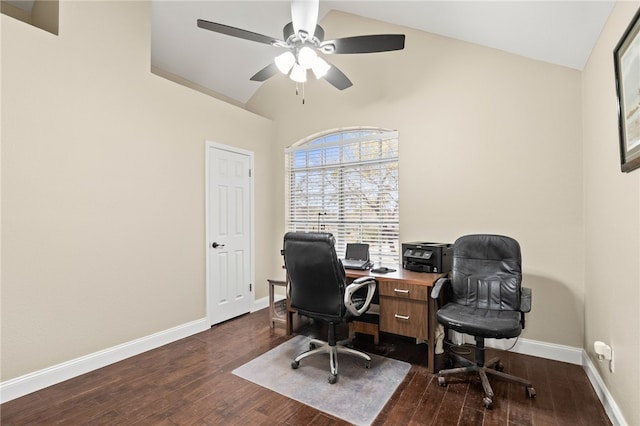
point(293, 39)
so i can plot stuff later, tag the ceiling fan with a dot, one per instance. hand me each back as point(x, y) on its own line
point(303, 40)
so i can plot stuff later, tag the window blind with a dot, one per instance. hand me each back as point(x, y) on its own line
point(347, 183)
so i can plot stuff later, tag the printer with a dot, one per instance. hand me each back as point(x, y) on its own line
point(427, 257)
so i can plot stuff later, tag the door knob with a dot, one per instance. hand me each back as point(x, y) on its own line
point(216, 245)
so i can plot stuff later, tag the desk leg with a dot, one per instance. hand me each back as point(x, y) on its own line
point(431, 333)
point(272, 304)
point(289, 319)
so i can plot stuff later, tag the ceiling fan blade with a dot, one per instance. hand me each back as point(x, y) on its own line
point(237, 32)
point(304, 15)
point(365, 44)
point(337, 78)
point(265, 73)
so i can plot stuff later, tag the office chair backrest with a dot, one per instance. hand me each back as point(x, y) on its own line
point(486, 272)
point(316, 276)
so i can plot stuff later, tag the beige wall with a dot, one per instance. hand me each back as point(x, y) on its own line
point(489, 142)
point(103, 187)
point(103, 179)
point(612, 226)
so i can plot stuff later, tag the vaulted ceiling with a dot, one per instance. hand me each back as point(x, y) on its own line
point(558, 32)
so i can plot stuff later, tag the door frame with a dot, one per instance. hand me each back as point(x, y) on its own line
point(207, 208)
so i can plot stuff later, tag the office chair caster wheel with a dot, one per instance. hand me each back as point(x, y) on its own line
point(333, 379)
point(295, 365)
point(487, 402)
point(499, 366)
point(442, 381)
point(367, 364)
point(312, 346)
point(531, 392)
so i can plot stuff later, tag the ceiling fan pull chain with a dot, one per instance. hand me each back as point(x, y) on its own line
point(298, 91)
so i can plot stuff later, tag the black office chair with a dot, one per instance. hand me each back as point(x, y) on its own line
point(486, 300)
point(318, 290)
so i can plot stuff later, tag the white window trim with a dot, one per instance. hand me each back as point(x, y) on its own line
point(385, 245)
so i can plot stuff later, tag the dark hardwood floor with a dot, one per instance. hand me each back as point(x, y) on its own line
point(190, 382)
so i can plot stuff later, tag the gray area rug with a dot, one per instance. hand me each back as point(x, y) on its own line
point(357, 397)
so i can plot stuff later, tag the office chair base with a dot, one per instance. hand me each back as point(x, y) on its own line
point(494, 368)
point(319, 346)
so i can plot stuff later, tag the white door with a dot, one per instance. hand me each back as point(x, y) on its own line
point(229, 253)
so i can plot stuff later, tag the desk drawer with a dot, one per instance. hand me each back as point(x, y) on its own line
point(403, 290)
point(403, 316)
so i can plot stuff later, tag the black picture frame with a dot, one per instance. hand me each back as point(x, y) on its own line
point(626, 60)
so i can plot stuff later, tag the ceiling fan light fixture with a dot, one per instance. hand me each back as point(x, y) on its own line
point(298, 74)
point(285, 61)
point(304, 41)
point(328, 48)
point(320, 67)
point(307, 57)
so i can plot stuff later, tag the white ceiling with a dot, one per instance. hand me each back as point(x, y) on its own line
point(559, 32)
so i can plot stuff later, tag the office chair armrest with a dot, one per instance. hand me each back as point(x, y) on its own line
point(525, 299)
point(437, 287)
point(355, 286)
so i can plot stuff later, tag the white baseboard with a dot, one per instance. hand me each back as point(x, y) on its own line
point(553, 351)
point(31, 382)
point(609, 404)
point(570, 355)
point(264, 302)
point(529, 347)
point(260, 304)
point(23, 385)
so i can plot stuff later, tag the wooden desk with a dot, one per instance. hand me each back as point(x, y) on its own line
point(406, 307)
point(277, 314)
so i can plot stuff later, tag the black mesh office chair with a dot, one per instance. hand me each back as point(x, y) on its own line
point(486, 300)
point(318, 289)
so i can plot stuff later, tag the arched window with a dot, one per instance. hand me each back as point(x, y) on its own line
point(346, 183)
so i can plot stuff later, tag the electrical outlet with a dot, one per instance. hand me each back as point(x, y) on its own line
point(611, 363)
